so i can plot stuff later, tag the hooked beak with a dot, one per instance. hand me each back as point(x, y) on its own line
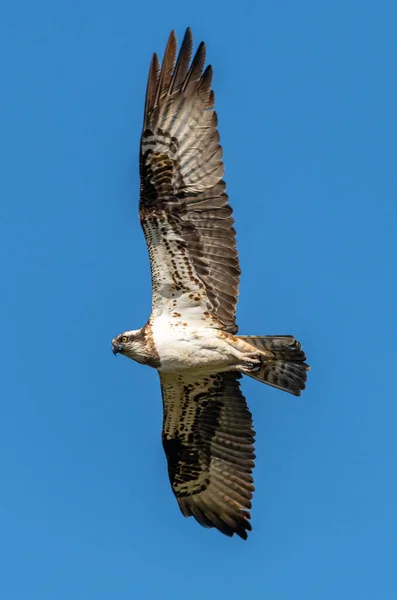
point(116, 348)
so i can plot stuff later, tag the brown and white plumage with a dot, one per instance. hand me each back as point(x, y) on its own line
point(208, 440)
point(190, 337)
point(184, 208)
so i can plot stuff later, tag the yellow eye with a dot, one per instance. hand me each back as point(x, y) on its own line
point(124, 339)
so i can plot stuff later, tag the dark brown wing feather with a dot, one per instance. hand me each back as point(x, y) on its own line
point(184, 208)
point(208, 440)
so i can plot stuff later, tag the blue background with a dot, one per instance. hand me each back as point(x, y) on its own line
point(306, 95)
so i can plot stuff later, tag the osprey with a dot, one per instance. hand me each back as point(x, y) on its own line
point(191, 335)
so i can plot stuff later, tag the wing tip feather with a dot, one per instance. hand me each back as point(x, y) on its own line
point(228, 522)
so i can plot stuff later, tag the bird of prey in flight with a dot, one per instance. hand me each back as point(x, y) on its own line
point(191, 335)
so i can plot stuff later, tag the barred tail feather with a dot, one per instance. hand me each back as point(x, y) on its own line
point(283, 365)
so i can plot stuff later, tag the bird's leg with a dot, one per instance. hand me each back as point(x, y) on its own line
point(250, 363)
point(244, 357)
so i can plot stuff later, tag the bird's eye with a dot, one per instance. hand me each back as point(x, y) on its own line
point(124, 339)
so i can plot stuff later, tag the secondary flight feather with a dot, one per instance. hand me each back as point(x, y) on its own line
point(191, 335)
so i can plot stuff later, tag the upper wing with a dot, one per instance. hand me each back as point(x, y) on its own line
point(183, 207)
point(208, 440)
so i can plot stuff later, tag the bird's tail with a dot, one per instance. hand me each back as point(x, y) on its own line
point(283, 363)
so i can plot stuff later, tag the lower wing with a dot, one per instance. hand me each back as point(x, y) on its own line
point(208, 440)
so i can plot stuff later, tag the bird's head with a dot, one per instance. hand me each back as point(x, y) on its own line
point(128, 343)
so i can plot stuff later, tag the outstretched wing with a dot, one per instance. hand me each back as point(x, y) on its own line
point(208, 440)
point(183, 207)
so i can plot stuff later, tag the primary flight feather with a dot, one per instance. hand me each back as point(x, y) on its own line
point(190, 337)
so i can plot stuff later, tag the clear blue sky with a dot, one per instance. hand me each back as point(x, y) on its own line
point(306, 95)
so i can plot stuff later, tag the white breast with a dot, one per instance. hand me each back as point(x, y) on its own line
point(182, 347)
